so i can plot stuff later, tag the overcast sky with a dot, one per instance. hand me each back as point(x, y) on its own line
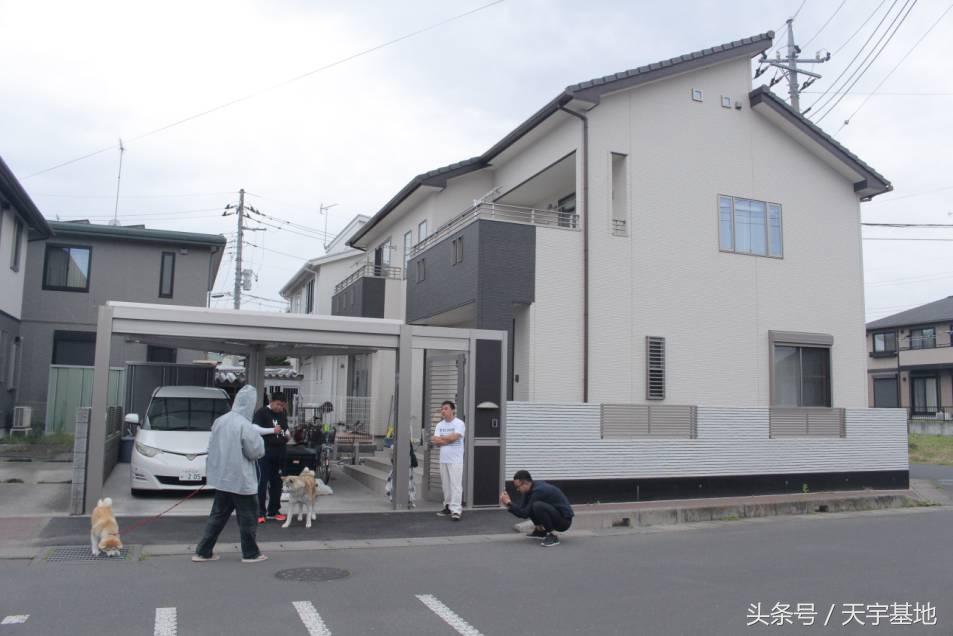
point(77, 76)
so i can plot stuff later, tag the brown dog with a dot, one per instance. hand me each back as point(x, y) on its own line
point(302, 491)
point(104, 531)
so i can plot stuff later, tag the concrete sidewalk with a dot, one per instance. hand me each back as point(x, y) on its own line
point(27, 537)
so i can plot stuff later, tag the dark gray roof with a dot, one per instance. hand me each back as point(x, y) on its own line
point(873, 183)
point(937, 311)
point(118, 232)
point(589, 91)
point(13, 192)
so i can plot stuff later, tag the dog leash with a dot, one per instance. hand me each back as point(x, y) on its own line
point(145, 522)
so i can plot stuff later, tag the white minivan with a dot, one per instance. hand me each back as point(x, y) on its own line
point(172, 439)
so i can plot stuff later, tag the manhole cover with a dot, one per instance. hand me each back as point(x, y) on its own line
point(312, 574)
point(82, 553)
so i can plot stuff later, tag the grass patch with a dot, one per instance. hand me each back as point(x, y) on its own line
point(39, 438)
point(931, 449)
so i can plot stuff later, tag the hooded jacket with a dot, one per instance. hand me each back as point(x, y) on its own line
point(234, 446)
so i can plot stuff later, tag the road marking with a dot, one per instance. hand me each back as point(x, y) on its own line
point(13, 620)
point(448, 615)
point(311, 619)
point(165, 622)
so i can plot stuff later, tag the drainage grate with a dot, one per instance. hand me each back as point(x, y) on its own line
point(83, 553)
point(305, 575)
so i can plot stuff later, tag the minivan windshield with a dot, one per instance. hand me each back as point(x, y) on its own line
point(185, 414)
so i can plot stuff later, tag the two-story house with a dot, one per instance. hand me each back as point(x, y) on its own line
point(910, 363)
point(20, 222)
point(661, 234)
point(84, 265)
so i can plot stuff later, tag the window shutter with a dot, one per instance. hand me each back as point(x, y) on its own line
point(654, 368)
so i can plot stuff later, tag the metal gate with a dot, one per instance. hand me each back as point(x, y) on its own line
point(444, 379)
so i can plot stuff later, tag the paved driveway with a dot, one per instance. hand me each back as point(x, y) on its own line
point(942, 476)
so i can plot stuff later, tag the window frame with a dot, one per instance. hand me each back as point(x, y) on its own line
point(309, 296)
point(914, 379)
point(919, 339)
point(421, 270)
point(456, 251)
point(162, 275)
point(17, 251)
point(67, 246)
point(885, 351)
point(767, 227)
point(408, 245)
point(423, 231)
point(800, 340)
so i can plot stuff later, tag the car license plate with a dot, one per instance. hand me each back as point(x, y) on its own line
point(191, 476)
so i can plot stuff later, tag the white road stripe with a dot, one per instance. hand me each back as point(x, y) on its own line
point(311, 619)
point(13, 620)
point(166, 622)
point(448, 615)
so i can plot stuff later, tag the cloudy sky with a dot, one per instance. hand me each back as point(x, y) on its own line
point(76, 77)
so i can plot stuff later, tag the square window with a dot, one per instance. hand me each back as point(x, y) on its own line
point(725, 101)
point(697, 95)
point(748, 226)
point(67, 268)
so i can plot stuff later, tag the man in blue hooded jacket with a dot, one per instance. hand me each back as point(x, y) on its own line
point(543, 503)
point(233, 448)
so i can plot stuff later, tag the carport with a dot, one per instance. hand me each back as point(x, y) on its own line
point(260, 334)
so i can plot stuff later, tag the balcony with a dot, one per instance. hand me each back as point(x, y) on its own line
point(364, 292)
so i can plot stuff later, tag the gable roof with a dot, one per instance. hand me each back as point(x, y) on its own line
point(137, 234)
point(937, 311)
point(11, 191)
point(589, 92)
point(872, 182)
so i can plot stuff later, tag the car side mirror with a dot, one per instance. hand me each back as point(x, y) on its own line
point(132, 418)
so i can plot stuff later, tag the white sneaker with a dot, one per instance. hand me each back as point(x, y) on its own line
point(201, 559)
point(257, 559)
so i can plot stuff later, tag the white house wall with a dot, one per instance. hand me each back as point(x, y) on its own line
point(668, 278)
point(11, 282)
point(563, 441)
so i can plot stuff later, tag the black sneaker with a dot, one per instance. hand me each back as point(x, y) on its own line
point(445, 512)
point(537, 534)
point(550, 540)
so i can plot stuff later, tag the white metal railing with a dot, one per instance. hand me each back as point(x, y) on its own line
point(554, 218)
point(369, 270)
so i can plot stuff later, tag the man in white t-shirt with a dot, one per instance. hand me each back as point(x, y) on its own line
point(448, 435)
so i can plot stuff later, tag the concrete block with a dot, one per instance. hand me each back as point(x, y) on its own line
point(752, 511)
point(658, 517)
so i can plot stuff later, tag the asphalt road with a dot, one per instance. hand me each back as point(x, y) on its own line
point(942, 476)
point(693, 580)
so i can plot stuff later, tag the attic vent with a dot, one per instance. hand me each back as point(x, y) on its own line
point(654, 368)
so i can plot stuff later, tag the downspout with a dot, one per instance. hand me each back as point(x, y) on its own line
point(585, 251)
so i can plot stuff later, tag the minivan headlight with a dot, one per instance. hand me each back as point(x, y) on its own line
point(148, 451)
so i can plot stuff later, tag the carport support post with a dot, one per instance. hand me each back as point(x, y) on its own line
point(96, 445)
point(255, 373)
point(405, 374)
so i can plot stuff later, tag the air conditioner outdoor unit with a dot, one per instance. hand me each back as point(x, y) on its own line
point(22, 416)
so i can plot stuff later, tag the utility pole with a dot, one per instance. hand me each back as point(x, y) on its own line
point(237, 293)
point(789, 65)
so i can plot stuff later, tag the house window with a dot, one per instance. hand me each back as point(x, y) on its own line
point(167, 275)
point(74, 348)
point(17, 244)
point(620, 194)
point(309, 297)
point(66, 268)
point(924, 338)
point(408, 244)
point(421, 270)
point(456, 251)
point(885, 342)
point(746, 226)
point(925, 394)
point(800, 369)
point(422, 231)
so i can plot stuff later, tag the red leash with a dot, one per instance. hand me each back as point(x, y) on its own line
point(145, 522)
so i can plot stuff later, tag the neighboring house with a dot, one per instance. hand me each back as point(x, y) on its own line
point(358, 385)
point(70, 275)
point(661, 235)
point(910, 362)
point(20, 222)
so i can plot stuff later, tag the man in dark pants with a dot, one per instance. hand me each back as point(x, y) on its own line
point(544, 503)
point(233, 448)
point(270, 466)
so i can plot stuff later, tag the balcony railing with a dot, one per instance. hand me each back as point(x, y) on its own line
point(930, 413)
point(499, 212)
point(369, 270)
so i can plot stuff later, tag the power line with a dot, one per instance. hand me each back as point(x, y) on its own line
point(860, 28)
point(824, 26)
point(277, 252)
point(277, 85)
point(879, 238)
point(906, 225)
point(914, 194)
point(916, 44)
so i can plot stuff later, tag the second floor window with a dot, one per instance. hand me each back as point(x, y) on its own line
point(422, 232)
point(66, 268)
point(309, 297)
point(924, 338)
point(746, 226)
point(885, 342)
point(167, 275)
point(17, 245)
point(408, 244)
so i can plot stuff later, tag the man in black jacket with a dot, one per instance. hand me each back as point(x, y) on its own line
point(269, 466)
point(544, 503)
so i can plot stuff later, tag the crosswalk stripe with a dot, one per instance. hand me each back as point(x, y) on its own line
point(14, 619)
point(311, 619)
point(166, 622)
point(448, 615)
